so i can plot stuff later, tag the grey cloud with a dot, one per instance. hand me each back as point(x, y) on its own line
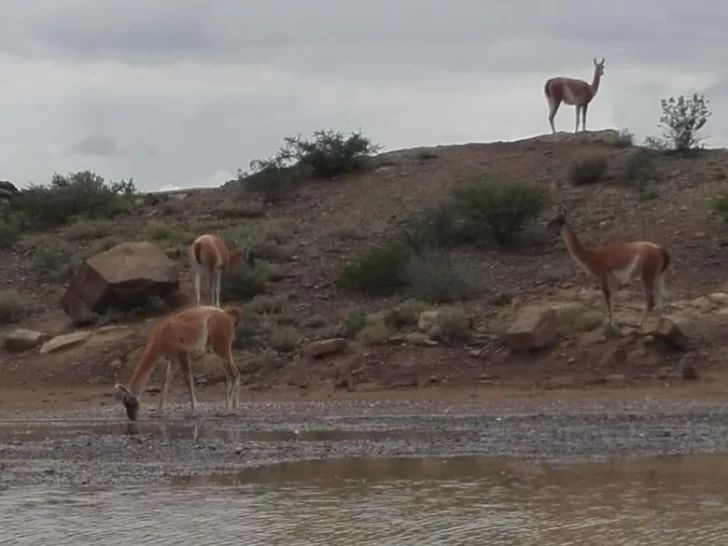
point(331, 35)
point(98, 145)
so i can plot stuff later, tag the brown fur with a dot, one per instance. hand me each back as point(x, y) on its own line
point(572, 91)
point(612, 260)
point(176, 337)
point(208, 253)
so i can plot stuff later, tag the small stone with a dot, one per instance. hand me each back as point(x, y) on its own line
point(689, 373)
point(534, 328)
point(20, 340)
point(64, 342)
point(326, 347)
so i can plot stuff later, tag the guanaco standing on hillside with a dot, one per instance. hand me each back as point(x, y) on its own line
point(210, 256)
point(620, 261)
point(190, 332)
point(574, 92)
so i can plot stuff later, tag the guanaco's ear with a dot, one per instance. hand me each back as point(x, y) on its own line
point(234, 313)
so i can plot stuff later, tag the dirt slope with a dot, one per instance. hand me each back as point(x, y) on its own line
point(328, 224)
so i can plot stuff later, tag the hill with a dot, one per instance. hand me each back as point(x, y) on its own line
point(308, 239)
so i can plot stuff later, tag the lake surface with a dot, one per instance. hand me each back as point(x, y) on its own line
point(457, 501)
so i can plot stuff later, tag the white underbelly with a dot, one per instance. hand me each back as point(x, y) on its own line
point(625, 275)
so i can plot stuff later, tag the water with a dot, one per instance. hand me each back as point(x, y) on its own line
point(467, 500)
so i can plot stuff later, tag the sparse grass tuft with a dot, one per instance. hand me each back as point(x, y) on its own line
point(719, 204)
point(354, 322)
point(53, 262)
point(374, 333)
point(435, 277)
point(87, 230)
point(588, 170)
point(406, 314)
point(13, 308)
point(453, 326)
point(157, 230)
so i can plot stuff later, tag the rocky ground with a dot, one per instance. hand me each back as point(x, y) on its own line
point(309, 238)
point(94, 447)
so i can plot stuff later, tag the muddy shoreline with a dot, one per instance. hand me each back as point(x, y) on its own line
point(95, 446)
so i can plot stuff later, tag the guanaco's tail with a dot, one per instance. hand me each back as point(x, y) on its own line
point(547, 89)
point(197, 252)
point(665, 259)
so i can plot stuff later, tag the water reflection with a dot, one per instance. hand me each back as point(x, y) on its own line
point(195, 431)
point(467, 500)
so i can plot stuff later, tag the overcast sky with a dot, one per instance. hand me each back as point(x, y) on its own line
point(182, 93)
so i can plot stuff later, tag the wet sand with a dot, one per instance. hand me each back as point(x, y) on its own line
point(94, 444)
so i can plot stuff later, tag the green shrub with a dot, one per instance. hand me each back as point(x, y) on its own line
point(435, 277)
point(625, 139)
point(588, 170)
point(500, 210)
point(438, 227)
point(354, 322)
point(244, 282)
point(681, 121)
point(11, 227)
point(331, 154)
point(327, 155)
point(719, 204)
point(82, 194)
point(283, 340)
point(379, 270)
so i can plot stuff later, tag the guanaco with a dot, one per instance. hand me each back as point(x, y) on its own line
point(189, 332)
point(209, 255)
point(620, 261)
point(574, 92)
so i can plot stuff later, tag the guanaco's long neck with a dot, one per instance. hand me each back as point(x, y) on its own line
point(143, 369)
point(595, 82)
point(579, 252)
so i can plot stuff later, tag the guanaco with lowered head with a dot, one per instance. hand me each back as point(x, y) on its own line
point(620, 261)
point(191, 331)
point(574, 92)
point(209, 256)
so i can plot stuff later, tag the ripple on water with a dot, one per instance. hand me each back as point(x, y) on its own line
point(500, 502)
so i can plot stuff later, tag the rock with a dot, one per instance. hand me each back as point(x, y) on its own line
point(688, 372)
point(113, 332)
point(702, 304)
point(326, 347)
point(616, 354)
point(670, 332)
point(123, 277)
point(8, 186)
point(20, 340)
point(427, 320)
point(64, 342)
point(534, 328)
point(719, 297)
point(418, 338)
